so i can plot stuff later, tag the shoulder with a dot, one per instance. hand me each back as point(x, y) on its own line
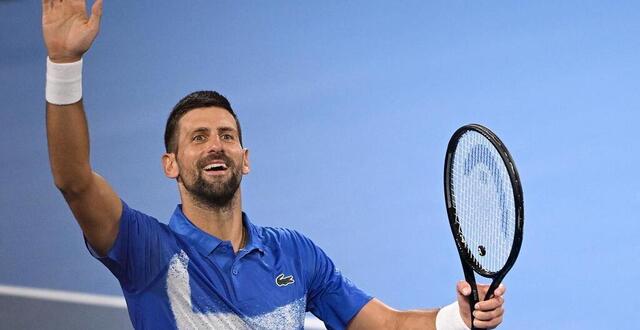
point(279, 233)
point(139, 218)
point(138, 228)
point(277, 238)
point(282, 235)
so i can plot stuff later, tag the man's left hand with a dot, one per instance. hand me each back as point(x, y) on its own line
point(488, 314)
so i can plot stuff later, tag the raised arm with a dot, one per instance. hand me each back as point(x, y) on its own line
point(68, 34)
point(488, 314)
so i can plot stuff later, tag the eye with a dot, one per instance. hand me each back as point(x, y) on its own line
point(199, 138)
point(227, 137)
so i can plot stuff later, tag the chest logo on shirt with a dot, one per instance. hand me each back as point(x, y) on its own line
point(282, 280)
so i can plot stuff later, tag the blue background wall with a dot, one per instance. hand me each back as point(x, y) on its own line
point(347, 107)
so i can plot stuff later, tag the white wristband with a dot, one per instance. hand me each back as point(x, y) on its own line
point(449, 318)
point(64, 82)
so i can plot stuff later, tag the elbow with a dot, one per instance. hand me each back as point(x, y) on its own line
point(70, 188)
point(71, 185)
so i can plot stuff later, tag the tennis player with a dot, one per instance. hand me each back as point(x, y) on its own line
point(211, 266)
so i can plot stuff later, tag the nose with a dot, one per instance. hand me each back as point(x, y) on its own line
point(215, 144)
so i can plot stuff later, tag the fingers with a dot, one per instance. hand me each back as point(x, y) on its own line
point(500, 290)
point(463, 288)
point(489, 313)
point(96, 14)
point(46, 5)
point(73, 5)
point(488, 320)
point(49, 5)
point(483, 288)
point(490, 304)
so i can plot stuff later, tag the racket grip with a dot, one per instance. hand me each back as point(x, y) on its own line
point(488, 296)
point(473, 300)
point(474, 297)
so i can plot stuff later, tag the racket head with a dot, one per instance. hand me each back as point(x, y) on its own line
point(484, 201)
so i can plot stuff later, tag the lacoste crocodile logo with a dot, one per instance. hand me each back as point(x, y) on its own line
point(282, 280)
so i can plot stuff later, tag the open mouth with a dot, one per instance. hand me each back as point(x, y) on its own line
point(218, 167)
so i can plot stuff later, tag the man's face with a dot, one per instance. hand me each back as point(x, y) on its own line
point(210, 160)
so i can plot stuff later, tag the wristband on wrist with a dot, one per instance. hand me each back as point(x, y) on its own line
point(64, 82)
point(449, 318)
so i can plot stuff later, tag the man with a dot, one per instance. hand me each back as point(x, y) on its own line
point(210, 267)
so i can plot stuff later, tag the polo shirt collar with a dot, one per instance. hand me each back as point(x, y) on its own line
point(206, 243)
point(256, 239)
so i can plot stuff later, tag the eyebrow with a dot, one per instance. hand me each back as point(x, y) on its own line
point(226, 129)
point(219, 129)
point(200, 130)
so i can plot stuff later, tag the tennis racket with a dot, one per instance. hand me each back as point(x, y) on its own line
point(484, 204)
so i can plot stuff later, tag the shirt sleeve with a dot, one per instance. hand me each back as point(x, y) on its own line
point(141, 250)
point(331, 296)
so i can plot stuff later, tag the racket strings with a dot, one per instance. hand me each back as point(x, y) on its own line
point(483, 199)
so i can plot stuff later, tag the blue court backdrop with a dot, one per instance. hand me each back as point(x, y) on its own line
point(347, 108)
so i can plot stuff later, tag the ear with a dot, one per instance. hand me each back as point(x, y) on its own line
point(245, 162)
point(170, 165)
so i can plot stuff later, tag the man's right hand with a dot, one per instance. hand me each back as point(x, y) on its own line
point(68, 32)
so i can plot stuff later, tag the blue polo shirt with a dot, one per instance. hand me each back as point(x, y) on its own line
point(178, 277)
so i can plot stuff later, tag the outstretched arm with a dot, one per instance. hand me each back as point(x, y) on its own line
point(377, 315)
point(68, 33)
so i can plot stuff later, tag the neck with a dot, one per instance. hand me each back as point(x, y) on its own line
point(223, 222)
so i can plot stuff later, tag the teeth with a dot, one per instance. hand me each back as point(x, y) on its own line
point(215, 167)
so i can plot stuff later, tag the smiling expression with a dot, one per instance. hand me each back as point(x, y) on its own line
point(210, 161)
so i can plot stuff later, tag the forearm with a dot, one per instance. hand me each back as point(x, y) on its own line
point(445, 318)
point(68, 142)
point(417, 319)
point(376, 315)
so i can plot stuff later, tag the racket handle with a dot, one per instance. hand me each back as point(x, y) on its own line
point(472, 303)
point(473, 298)
point(492, 288)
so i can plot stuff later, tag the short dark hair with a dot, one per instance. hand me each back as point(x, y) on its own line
point(195, 100)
